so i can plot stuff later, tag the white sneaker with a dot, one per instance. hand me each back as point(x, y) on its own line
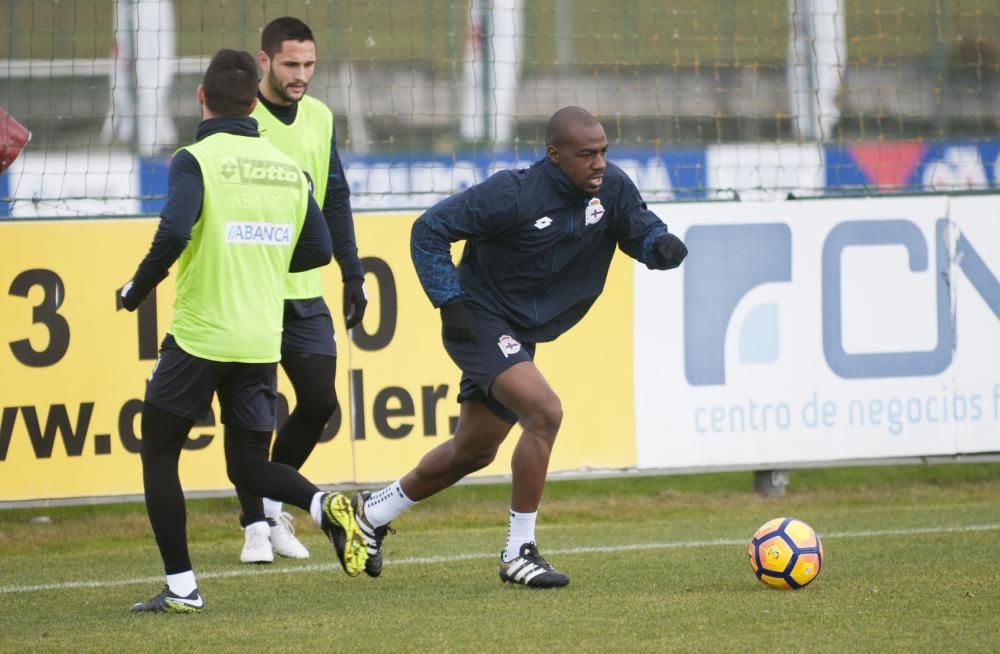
point(283, 538)
point(257, 544)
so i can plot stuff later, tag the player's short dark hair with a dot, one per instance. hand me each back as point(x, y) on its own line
point(562, 120)
point(283, 29)
point(230, 83)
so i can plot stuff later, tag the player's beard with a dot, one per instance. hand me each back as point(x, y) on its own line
point(281, 91)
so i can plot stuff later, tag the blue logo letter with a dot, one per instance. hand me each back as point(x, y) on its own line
point(884, 364)
point(725, 263)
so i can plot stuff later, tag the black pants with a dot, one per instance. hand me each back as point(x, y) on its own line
point(247, 464)
point(312, 377)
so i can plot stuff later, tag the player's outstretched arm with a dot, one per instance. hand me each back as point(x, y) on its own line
point(640, 232)
point(668, 252)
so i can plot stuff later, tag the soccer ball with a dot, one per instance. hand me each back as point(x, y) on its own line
point(786, 553)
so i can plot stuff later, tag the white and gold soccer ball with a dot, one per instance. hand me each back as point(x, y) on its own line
point(786, 553)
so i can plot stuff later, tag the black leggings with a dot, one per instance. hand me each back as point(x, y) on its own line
point(312, 377)
point(247, 464)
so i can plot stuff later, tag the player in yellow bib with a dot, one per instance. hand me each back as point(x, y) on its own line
point(303, 128)
point(238, 218)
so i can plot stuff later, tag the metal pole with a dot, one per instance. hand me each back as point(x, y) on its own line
point(939, 52)
point(133, 80)
point(728, 69)
point(455, 37)
point(812, 132)
point(565, 54)
point(486, 68)
point(14, 31)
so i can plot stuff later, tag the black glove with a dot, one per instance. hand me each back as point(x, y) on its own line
point(456, 322)
point(669, 251)
point(355, 301)
point(129, 298)
point(135, 292)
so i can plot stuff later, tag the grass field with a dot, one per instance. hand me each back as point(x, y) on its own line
point(657, 564)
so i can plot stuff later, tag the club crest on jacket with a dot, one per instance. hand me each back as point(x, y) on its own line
point(594, 211)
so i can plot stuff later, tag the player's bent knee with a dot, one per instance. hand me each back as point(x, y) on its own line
point(473, 460)
point(241, 473)
point(317, 409)
point(544, 418)
point(329, 406)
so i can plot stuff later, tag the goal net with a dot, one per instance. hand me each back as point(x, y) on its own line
point(701, 99)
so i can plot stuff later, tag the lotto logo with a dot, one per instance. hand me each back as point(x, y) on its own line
point(235, 170)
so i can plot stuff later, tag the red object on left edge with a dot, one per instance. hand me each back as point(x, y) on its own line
point(13, 137)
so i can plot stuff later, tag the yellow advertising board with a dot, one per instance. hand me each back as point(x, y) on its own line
point(74, 367)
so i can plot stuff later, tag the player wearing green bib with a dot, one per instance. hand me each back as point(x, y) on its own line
point(303, 128)
point(238, 218)
point(216, 320)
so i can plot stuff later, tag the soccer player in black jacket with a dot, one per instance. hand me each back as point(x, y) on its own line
point(538, 246)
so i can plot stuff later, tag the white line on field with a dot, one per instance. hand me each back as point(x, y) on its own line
point(450, 558)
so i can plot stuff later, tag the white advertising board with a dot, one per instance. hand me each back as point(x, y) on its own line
point(826, 330)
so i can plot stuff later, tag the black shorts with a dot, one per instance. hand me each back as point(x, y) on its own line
point(308, 328)
point(183, 384)
point(496, 348)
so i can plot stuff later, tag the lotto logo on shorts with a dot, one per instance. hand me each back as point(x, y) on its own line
point(508, 345)
point(259, 233)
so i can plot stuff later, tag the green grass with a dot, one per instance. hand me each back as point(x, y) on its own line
point(658, 564)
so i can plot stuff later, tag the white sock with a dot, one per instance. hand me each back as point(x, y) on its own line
point(272, 508)
point(521, 531)
point(182, 584)
point(316, 508)
point(383, 506)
